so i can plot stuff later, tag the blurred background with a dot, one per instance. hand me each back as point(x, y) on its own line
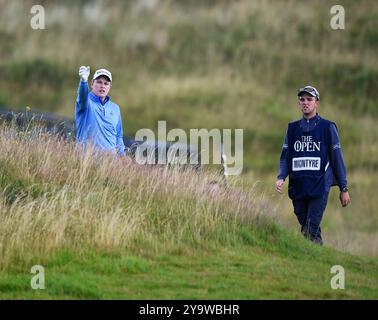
point(215, 64)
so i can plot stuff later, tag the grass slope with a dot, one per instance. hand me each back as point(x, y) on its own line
point(214, 64)
point(227, 272)
point(107, 229)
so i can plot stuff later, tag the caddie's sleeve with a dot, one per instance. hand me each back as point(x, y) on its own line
point(283, 169)
point(336, 158)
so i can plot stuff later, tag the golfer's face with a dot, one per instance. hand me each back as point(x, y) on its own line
point(101, 86)
point(308, 104)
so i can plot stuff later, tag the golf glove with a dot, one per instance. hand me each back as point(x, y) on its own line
point(84, 73)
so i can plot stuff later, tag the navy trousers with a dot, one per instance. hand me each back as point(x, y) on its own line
point(309, 213)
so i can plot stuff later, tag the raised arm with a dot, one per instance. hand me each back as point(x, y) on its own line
point(82, 92)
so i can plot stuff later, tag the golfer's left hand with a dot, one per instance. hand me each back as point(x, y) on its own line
point(84, 73)
point(344, 198)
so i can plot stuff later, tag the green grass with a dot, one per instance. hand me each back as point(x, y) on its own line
point(149, 233)
point(295, 270)
point(195, 64)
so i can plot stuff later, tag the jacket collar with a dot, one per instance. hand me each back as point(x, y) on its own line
point(309, 124)
point(97, 99)
point(315, 118)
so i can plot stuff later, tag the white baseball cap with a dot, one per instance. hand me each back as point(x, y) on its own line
point(102, 72)
point(310, 90)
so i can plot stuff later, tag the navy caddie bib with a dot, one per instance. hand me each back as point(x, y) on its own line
point(308, 159)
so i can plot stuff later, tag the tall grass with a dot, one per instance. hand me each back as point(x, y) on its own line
point(55, 196)
point(200, 64)
point(211, 64)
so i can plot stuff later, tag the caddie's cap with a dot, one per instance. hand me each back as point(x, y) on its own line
point(102, 72)
point(310, 90)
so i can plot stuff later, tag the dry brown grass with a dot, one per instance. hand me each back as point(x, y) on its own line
point(55, 196)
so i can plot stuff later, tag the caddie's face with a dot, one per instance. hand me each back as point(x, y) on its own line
point(101, 86)
point(308, 104)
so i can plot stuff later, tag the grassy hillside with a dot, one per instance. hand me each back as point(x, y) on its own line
point(196, 64)
point(104, 228)
point(203, 64)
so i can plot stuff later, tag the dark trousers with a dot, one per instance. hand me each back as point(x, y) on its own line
point(309, 213)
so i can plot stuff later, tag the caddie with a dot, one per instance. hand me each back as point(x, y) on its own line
point(312, 158)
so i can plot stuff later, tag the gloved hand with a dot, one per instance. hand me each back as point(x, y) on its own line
point(84, 73)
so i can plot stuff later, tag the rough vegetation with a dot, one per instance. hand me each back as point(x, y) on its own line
point(196, 64)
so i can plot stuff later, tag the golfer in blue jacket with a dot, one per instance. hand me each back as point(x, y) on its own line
point(312, 158)
point(98, 119)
